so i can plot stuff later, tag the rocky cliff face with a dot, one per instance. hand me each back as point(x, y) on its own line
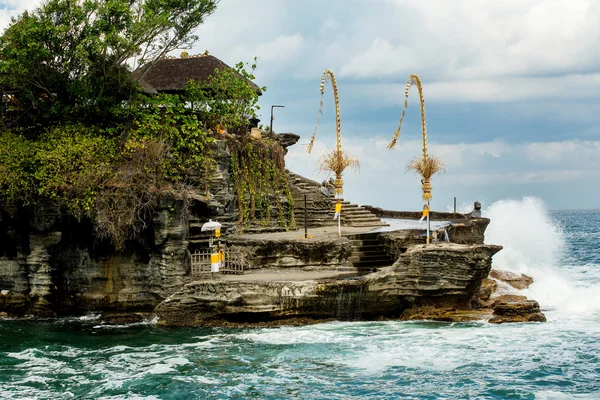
point(448, 272)
point(56, 265)
point(52, 264)
point(291, 253)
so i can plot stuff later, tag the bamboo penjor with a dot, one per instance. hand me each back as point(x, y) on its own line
point(337, 160)
point(426, 166)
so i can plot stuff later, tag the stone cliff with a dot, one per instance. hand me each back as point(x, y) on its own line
point(446, 273)
point(52, 264)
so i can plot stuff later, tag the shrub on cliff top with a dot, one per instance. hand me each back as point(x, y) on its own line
point(70, 59)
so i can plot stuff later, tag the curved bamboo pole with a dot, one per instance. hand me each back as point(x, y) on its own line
point(334, 161)
point(425, 166)
point(413, 80)
point(329, 76)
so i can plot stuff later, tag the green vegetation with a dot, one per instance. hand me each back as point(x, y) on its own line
point(68, 59)
point(258, 170)
point(75, 128)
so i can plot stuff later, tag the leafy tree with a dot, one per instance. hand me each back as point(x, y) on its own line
point(227, 98)
point(69, 59)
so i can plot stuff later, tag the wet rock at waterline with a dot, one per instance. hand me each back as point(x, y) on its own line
point(518, 281)
point(517, 311)
point(488, 287)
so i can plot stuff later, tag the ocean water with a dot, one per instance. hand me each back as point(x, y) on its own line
point(560, 359)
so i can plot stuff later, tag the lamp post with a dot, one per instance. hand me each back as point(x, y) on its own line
point(271, 126)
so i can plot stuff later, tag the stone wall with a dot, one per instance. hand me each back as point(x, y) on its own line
point(436, 215)
point(293, 253)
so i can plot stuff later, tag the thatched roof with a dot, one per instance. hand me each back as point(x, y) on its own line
point(173, 74)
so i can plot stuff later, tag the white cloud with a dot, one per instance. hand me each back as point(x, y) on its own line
point(471, 168)
point(497, 90)
point(381, 59)
point(282, 49)
point(559, 153)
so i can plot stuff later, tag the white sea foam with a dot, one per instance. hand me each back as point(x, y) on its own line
point(197, 379)
point(145, 322)
point(551, 395)
point(297, 335)
point(535, 245)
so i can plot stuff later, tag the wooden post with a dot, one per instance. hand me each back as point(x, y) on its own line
point(428, 221)
point(305, 219)
point(454, 204)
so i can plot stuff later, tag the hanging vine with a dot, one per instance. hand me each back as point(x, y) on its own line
point(260, 181)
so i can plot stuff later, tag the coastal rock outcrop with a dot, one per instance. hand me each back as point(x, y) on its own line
point(517, 311)
point(518, 281)
point(468, 232)
point(447, 273)
point(292, 253)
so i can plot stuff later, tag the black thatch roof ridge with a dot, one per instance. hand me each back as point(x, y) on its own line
point(173, 74)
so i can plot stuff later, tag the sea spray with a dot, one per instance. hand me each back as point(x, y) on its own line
point(530, 238)
point(535, 245)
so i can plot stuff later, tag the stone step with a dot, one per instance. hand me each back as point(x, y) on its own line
point(362, 219)
point(364, 237)
point(365, 242)
point(346, 269)
point(372, 264)
point(345, 206)
point(368, 249)
point(369, 254)
point(355, 210)
point(368, 224)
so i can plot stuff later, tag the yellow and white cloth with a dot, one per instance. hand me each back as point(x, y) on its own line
point(338, 211)
point(425, 212)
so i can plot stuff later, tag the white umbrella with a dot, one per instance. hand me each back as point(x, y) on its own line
point(210, 226)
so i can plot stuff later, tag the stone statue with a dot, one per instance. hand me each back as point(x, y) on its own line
point(476, 213)
point(327, 188)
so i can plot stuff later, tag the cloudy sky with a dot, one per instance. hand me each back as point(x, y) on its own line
point(512, 90)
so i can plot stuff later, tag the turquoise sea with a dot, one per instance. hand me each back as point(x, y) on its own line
point(80, 359)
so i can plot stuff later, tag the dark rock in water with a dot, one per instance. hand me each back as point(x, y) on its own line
point(518, 281)
point(439, 312)
point(517, 311)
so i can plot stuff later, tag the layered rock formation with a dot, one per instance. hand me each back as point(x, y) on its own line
point(517, 311)
point(510, 307)
point(52, 264)
point(447, 273)
point(318, 254)
point(56, 265)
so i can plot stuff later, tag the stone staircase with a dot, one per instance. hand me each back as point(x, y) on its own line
point(353, 215)
point(321, 207)
point(368, 253)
